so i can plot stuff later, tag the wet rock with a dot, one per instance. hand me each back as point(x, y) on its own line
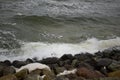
point(104, 62)
point(22, 74)
point(112, 53)
point(114, 74)
point(7, 63)
point(88, 73)
point(115, 65)
point(8, 77)
point(18, 64)
point(28, 61)
point(83, 56)
point(67, 57)
point(50, 60)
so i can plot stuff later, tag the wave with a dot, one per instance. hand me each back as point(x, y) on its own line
point(43, 50)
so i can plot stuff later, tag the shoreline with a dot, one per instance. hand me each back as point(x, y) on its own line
point(85, 66)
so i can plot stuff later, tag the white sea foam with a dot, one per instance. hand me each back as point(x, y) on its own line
point(42, 50)
point(66, 72)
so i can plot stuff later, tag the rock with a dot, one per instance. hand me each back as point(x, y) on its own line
point(114, 66)
point(114, 74)
point(61, 78)
point(8, 77)
point(8, 70)
point(105, 78)
point(18, 64)
point(86, 65)
point(59, 69)
point(22, 74)
point(88, 73)
point(50, 60)
point(67, 57)
point(112, 53)
point(104, 62)
point(33, 77)
point(7, 63)
point(49, 75)
point(28, 61)
point(83, 56)
point(37, 72)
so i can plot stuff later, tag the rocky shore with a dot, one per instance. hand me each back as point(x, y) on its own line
point(103, 65)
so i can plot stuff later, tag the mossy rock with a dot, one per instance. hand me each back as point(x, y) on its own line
point(22, 74)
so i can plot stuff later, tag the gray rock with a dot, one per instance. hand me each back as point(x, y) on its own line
point(115, 65)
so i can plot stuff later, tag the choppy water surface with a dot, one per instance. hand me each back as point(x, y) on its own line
point(44, 27)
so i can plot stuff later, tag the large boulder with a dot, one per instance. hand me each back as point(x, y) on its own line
point(9, 77)
point(88, 73)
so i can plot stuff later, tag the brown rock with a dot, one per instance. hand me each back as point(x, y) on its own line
point(22, 74)
point(88, 73)
point(114, 74)
point(9, 77)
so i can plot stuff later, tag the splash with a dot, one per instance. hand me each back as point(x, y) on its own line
point(43, 50)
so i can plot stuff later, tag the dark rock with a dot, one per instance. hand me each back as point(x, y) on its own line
point(18, 64)
point(28, 61)
point(67, 57)
point(59, 69)
point(86, 65)
point(114, 66)
point(112, 53)
point(83, 56)
point(50, 60)
point(8, 70)
point(88, 73)
point(8, 77)
point(7, 62)
point(103, 62)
